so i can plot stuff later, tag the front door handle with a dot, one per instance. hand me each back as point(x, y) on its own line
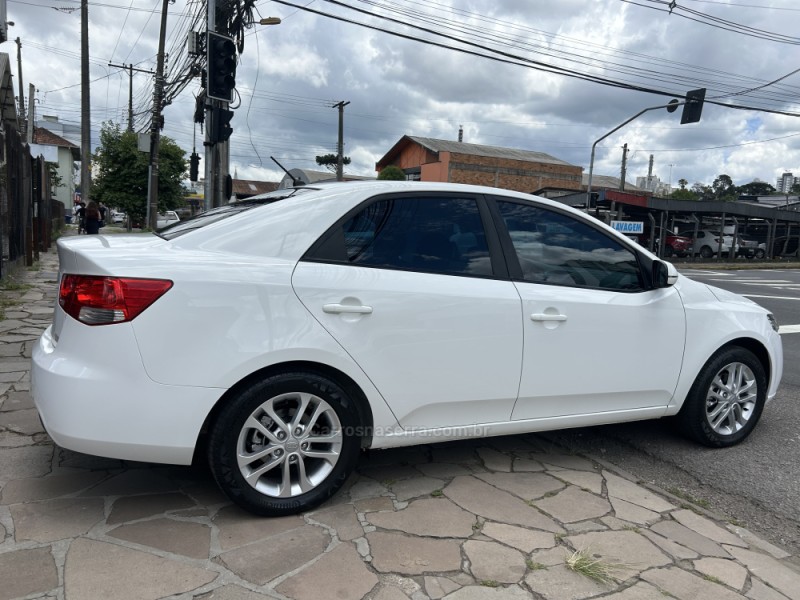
point(546, 317)
point(338, 309)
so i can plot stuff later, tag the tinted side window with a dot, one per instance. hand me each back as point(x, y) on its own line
point(558, 249)
point(437, 235)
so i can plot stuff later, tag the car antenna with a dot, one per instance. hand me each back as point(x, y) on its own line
point(295, 182)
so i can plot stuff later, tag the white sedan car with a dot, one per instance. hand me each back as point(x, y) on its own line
point(166, 218)
point(280, 338)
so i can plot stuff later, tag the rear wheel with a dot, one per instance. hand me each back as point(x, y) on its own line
point(726, 400)
point(285, 444)
point(706, 252)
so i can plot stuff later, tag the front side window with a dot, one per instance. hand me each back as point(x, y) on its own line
point(428, 234)
point(558, 249)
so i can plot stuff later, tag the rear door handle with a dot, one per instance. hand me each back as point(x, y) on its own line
point(338, 309)
point(545, 317)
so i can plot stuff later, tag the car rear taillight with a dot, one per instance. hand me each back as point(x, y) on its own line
point(98, 300)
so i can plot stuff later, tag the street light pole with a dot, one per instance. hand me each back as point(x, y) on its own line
point(673, 104)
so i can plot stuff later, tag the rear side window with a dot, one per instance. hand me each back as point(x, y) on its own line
point(427, 234)
point(558, 249)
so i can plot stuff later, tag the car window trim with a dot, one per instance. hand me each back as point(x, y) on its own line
point(499, 268)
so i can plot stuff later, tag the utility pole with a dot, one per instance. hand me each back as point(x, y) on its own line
point(211, 158)
point(86, 131)
point(624, 168)
point(130, 69)
point(340, 151)
point(155, 128)
point(21, 117)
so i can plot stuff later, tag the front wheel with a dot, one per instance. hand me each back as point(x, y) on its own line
point(706, 252)
point(285, 444)
point(726, 400)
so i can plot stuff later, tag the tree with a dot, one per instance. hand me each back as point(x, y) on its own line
point(331, 161)
point(702, 191)
point(724, 189)
point(392, 173)
point(683, 183)
point(683, 194)
point(56, 181)
point(756, 188)
point(123, 173)
point(795, 189)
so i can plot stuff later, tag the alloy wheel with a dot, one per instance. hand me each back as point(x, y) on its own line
point(731, 398)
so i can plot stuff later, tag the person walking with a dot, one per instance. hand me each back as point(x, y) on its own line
point(92, 218)
point(80, 213)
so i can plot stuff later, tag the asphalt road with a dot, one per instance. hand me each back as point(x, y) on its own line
point(755, 484)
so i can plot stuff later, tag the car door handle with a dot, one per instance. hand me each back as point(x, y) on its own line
point(544, 317)
point(338, 309)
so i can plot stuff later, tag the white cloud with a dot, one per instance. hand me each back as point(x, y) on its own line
point(291, 74)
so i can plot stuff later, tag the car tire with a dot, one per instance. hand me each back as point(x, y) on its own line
point(706, 252)
point(726, 400)
point(760, 253)
point(285, 443)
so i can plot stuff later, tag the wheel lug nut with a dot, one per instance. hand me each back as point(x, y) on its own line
point(304, 446)
point(278, 453)
point(281, 435)
point(298, 431)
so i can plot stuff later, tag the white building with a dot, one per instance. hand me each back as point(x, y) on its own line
point(785, 182)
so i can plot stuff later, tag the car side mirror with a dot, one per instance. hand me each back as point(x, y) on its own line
point(664, 274)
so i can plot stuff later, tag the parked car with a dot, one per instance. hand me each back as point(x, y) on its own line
point(674, 244)
point(706, 244)
point(166, 218)
point(382, 314)
point(118, 216)
point(780, 247)
point(750, 248)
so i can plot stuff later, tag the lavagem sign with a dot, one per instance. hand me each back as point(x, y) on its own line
point(629, 227)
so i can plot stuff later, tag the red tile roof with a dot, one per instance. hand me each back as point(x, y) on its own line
point(244, 188)
point(48, 138)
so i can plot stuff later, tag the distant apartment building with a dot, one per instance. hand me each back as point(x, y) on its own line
point(785, 182)
point(653, 184)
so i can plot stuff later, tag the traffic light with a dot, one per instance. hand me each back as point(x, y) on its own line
point(693, 107)
point(221, 67)
point(220, 129)
point(194, 165)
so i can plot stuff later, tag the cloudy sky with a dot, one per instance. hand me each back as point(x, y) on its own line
point(545, 75)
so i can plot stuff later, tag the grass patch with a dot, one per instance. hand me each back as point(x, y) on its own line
point(689, 498)
point(437, 493)
point(632, 528)
point(534, 566)
point(712, 579)
point(596, 569)
point(490, 583)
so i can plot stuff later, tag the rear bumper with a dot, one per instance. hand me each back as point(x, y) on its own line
point(93, 396)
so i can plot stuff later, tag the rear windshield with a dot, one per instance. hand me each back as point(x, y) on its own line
point(223, 212)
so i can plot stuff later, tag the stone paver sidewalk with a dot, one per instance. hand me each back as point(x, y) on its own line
point(498, 518)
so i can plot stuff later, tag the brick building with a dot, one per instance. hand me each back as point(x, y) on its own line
point(428, 159)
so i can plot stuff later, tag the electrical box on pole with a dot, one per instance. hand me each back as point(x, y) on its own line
point(694, 106)
point(221, 67)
